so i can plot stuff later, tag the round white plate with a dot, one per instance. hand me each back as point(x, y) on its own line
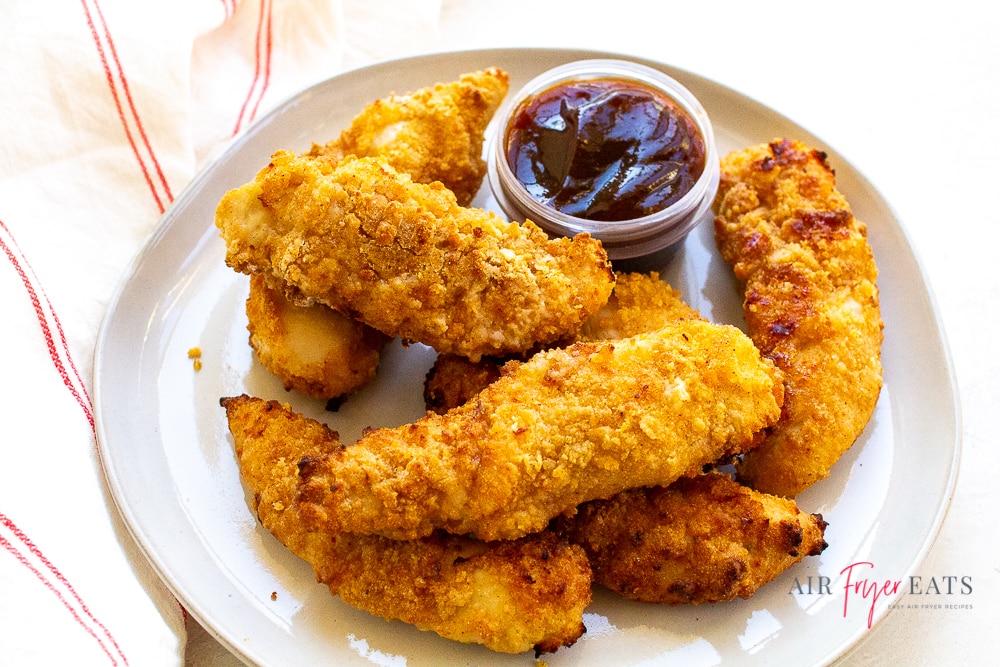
point(169, 461)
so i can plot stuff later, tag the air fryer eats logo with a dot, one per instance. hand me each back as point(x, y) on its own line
point(858, 586)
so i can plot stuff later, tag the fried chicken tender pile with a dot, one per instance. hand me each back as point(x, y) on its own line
point(811, 305)
point(573, 411)
point(433, 134)
point(405, 259)
point(567, 426)
point(509, 596)
point(702, 539)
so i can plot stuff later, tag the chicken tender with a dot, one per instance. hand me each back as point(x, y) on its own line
point(312, 349)
point(567, 426)
point(432, 134)
point(702, 539)
point(811, 306)
point(509, 596)
point(405, 259)
point(639, 303)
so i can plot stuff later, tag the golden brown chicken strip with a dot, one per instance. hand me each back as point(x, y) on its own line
point(432, 134)
point(811, 305)
point(509, 596)
point(639, 303)
point(404, 258)
point(567, 426)
point(702, 539)
point(313, 349)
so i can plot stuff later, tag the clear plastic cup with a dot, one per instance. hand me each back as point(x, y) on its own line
point(622, 239)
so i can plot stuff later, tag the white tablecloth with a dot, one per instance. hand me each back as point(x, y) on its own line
point(109, 107)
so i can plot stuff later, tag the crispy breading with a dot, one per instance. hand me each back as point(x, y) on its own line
point(432, 134)
point(510, 596)
point(453, 380)
point(567, 426)
point(811, 305)
point(701, 539)
point(404, 258)
point(313, 349)
point(639, 303)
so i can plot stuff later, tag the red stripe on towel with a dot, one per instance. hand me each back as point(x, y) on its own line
point(229, 6)
point(48, 321)
point(262, 69)
point(125, 105)
point(32, 558)
point(12, 538)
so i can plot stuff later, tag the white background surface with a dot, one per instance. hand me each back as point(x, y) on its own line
point(908, 92)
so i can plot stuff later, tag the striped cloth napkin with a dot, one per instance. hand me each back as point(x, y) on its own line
point(107, 109)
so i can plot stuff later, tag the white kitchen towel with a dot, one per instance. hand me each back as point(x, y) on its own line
point(107, 109)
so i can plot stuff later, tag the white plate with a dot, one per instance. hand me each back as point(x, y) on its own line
point(169, 462)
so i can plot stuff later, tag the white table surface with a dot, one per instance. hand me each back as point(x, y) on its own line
point(910, 94)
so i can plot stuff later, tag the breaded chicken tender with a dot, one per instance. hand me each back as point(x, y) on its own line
point(567, 426)
point(405, 259)
point(811, 305)
point(313, 349)
point(639, 303)
point(509, 596)
point(701, 539)
point(432, 134)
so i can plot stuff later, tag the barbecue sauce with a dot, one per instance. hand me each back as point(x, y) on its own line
point(605, 149)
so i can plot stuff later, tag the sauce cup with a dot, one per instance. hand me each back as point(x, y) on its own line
point(652, 230)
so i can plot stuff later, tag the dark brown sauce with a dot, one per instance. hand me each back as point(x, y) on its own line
point(605, 149)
